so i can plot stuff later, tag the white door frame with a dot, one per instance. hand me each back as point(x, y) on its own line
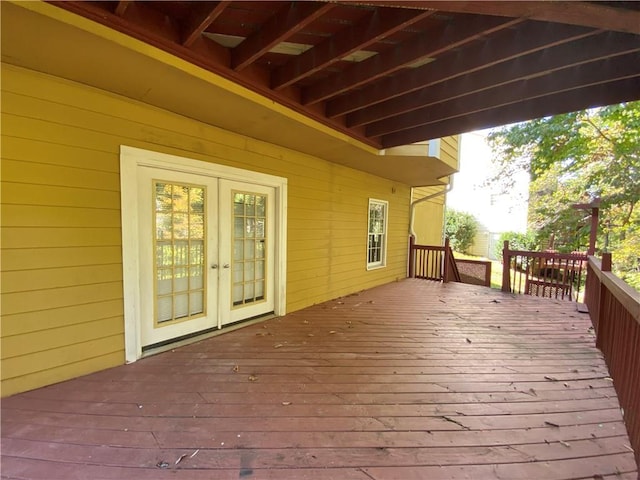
point(130, 159)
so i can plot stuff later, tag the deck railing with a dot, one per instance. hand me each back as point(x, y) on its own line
point(436, 262)
point(614, 308)
point(543, 274)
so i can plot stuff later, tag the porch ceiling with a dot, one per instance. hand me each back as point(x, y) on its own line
point(391, 73)
point(343, 81)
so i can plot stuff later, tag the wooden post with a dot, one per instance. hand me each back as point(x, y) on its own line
point(594, 231)
point(412, 257)
point(603, 328)
point(445, 260)
point(506, 267)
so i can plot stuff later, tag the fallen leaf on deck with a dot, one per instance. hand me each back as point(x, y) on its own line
point(551, 424)
point(286, 403)
point(332, 332)
point(278, 345)
point(495, 301)
point(194, 453)
point(253, 378)
point(565, 444)
point(628, 447)
point(162, 464)
point(305, 322)
point(309, 334)
point(236, 368)
point(468, 341)
point(551, 379)
point(180, 458)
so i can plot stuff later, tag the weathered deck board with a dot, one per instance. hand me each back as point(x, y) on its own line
point(410, 380)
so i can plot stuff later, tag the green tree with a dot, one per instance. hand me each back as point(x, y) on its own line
point(460, 228)
point(517, 241)
point(574, 158)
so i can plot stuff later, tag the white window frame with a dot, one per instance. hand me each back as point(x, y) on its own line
point(383, 254)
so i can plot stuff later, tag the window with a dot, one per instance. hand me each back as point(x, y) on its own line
point(377, 237)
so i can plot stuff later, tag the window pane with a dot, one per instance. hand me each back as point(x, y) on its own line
point(165, 309)
point(197, 200)
point(196, 303)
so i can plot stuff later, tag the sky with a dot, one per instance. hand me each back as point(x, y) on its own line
point(495, 210)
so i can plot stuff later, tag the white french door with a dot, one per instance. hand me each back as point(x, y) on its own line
point(179, 241)
point(247, 247)
point(203, 246)
point(206, 255)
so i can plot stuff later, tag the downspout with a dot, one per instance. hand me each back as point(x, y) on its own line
point(412, 210)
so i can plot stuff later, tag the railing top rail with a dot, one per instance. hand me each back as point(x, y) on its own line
point(554, 255)
point(437, 248)
point(477, 262)
point(624, 293)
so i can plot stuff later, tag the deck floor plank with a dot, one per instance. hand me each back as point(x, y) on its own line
point(411, 380)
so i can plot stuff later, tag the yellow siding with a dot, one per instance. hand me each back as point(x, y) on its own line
point(449, 148)
point(429, 215)
point(62, 298)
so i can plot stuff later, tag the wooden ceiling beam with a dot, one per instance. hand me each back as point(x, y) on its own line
point(379, 24)
point(590, 49)
point(287, 21)
point(446, 36)
point(588, 14)
point(502, 46)
point(569, 79)
point(147, 25)
point(121, 7)
point(558, 103)
point(203, 15)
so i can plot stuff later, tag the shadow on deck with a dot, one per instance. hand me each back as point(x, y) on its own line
point(412, 380)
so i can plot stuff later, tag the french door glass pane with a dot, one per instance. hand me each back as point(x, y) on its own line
point(179, 223)
point(249, 247)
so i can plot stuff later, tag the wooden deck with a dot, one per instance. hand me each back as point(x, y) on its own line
point(413, 380)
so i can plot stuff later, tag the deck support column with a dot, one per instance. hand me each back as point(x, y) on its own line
point(506, 264)
point(411, 267)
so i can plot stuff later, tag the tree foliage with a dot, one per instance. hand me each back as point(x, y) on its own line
point(460, 228)
point(575, 158)
point(517, 241)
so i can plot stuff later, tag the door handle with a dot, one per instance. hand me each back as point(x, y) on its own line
point(226, 265)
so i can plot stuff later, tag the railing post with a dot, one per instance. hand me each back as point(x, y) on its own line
point(445, 272)
point(506, 267)
point(412, 257)
point(602, 330)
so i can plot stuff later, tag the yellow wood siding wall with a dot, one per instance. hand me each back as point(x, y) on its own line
point(428, 216)
point(449, 150)
point(62, 299)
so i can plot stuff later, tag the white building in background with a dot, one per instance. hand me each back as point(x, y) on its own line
point(495, 210)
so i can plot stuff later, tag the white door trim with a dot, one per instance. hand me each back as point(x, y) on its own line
point(130, 159)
